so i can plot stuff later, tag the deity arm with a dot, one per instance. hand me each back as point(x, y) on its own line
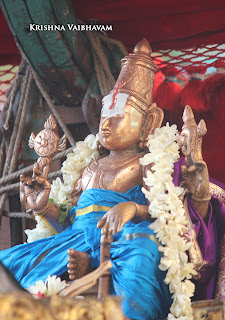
point(196, 185)
point(201, 207)
point(51, 216)
point(57, 215)
point(114, 220)
point(77, 190)
point(35, 197)
point(34, 194)
point(142, 213)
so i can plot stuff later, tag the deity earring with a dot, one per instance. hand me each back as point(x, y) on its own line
point(152, 120)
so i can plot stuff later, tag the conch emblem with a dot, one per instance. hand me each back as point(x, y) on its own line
point(190, 139)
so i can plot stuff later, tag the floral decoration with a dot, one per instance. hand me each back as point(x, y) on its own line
point(170, 221)
point(84, 152)
point(52, 286)
point(41, 231)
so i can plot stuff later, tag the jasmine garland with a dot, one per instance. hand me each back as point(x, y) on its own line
point(84, 152)
point(170, 224)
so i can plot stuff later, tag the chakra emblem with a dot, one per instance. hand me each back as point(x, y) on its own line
point(47, 142)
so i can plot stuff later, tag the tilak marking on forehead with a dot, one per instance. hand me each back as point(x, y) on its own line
point(113, 105)
point(114, 96)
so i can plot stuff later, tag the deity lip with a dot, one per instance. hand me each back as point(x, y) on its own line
point(106, 133)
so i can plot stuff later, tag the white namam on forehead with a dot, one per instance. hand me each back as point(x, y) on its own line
point(113, 105)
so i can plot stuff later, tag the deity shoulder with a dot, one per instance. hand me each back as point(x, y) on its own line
point(118, 175)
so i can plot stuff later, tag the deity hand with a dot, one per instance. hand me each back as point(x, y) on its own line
point(34, 192)
point(114, 220)
point(196, 177)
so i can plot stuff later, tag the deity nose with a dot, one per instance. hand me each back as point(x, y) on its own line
point(105, 124)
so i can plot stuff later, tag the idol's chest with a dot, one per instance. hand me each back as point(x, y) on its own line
point(118, 177)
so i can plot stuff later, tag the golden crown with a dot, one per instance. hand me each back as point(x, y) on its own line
point(137, 77)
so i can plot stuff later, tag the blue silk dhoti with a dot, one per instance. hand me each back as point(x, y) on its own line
point(134, 254)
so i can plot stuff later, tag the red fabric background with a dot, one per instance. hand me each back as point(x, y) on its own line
point(9, 53)
point(167, 24)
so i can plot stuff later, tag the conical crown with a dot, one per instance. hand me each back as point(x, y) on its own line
point(137, 77)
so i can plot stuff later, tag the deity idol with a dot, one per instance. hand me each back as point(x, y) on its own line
point(109, 200)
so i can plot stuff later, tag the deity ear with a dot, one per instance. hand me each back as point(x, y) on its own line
point(152, 120)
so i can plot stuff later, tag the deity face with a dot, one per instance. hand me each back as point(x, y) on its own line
point(121, 131)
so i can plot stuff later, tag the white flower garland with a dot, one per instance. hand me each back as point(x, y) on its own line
point(84, 152)
point(170, 223)
point(41, 230)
